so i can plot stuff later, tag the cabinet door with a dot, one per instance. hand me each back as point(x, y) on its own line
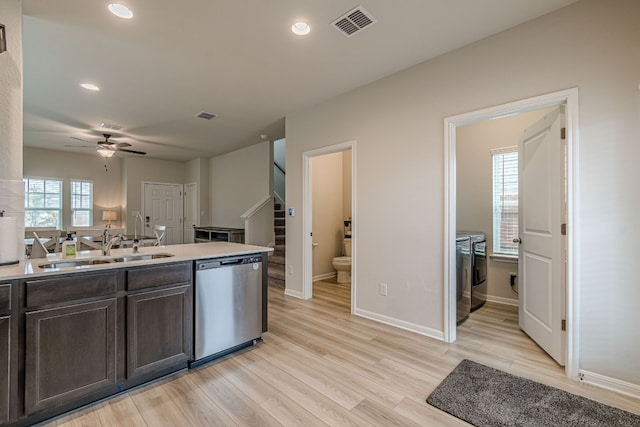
point(5, 347)
point(159, 330)
point(70, 354)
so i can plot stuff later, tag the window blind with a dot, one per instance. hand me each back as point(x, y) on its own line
point(81, 203)
point(505, 200)
point(42, 202)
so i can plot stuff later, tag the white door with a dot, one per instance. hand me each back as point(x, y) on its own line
point(163, 206)
point(190, 211)
point(541, 262)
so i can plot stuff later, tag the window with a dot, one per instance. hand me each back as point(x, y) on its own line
point(42, 202)
point(81, 203)
point(505, 201)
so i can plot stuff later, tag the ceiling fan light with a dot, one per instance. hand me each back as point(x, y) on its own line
point(106, 153)
point(120, 10)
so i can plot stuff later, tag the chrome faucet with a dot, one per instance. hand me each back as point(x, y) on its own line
point(108, 241)
point(135, 224)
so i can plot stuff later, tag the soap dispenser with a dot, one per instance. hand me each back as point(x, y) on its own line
point(69, 247)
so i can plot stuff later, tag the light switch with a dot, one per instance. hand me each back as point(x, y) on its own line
point(292, 212)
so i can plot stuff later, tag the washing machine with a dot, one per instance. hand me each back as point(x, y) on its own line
point(478, 251)
point(463, 278)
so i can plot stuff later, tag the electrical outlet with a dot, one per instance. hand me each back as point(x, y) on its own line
point(383, 289)
point(291, 269)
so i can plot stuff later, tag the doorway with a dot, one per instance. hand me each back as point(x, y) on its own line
point(309, 158)
point(570, 99)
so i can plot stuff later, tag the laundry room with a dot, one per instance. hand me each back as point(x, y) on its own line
point(487, 211)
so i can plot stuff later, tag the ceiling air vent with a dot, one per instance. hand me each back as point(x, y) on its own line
point(110, 126)
point(205, 115)
point(353, 21)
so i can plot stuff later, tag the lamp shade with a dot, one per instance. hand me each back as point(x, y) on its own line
point(109, 215)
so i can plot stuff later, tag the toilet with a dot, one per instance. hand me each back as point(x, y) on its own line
point(342, 264)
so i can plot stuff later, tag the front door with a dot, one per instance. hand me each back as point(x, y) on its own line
point(541, 266)
point(163, 206)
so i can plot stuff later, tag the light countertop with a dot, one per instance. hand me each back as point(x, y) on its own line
point(191, 251)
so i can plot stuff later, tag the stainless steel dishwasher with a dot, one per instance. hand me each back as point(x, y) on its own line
point(228, 305)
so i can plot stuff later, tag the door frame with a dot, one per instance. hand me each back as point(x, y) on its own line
point(184, 207)
point(307, 217)
point(569, 97)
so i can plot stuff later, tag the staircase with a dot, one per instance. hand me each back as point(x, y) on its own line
point(276, 268)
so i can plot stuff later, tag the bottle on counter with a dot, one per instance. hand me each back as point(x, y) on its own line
point(69, 247)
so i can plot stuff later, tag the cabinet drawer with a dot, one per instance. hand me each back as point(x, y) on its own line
point(161, 275)
point(69, 288)
point(5, 296)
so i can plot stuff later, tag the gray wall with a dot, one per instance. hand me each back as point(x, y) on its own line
point(397, 124)
point(107, 191)
point(238, 180)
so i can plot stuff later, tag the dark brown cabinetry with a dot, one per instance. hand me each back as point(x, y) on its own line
point(159, 318)
point(70, 353)
point(5, 327)
point(5, 351)
point(70, 348)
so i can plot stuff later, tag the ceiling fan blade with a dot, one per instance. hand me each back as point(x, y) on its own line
point(80, 139)
point(122, 144)
point(131, 151)
point(79, 146)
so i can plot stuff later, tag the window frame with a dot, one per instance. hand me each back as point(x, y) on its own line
point(504, 220)
point(27, 209)
point(72, 200)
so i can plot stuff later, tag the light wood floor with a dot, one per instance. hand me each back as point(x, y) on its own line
point(318, 365)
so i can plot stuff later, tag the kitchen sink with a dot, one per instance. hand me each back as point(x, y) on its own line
point(74, 263)
point(138, 257)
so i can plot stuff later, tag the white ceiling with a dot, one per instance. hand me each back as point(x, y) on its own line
point(234, 58)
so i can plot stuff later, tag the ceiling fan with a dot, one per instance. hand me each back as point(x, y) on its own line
point(108, 148)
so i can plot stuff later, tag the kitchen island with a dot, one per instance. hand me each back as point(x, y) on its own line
point(74, 331)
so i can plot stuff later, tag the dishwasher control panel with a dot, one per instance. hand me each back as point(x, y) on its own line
point(228, 262)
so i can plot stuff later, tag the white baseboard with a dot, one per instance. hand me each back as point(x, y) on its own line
point(324, 276)
point(292, 293)
point(609, 383)
point(501, 300)
point(408, 326)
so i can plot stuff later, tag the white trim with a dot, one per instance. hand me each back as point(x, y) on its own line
point(307, 247)
point(324, 276)
point(570, 98)
point(609, 383)
point(502, 300)
point(504, 258)
point(512, 149)
point(407, 326)
point(255, 208)
point(291, 293)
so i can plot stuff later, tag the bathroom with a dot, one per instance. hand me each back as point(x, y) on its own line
point(331, 203)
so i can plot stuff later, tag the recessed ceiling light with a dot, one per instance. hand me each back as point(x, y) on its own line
point(90, 86)
point(301, 28)
point(120, 10)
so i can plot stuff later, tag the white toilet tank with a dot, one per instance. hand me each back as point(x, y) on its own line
point(347, 247)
